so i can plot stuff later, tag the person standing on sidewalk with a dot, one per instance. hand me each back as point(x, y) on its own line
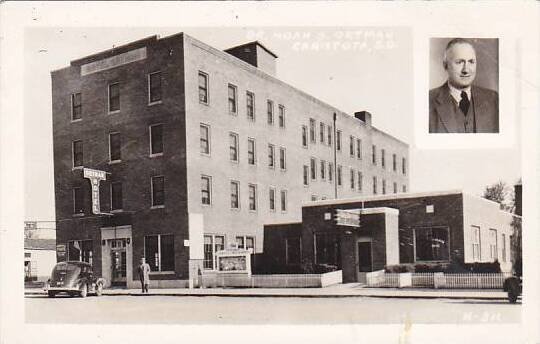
point(144, 274)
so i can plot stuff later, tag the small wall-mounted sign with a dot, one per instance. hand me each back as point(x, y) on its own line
point(186, 243)
point(327, 216)
point(430, 209)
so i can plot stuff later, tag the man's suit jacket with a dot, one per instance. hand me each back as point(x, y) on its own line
point(443, 118)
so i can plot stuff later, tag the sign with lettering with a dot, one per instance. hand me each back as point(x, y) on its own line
point(348, 217)
point(95, 176)
point(113, 61)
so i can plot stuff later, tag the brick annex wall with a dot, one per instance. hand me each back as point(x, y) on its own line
point(274, 245)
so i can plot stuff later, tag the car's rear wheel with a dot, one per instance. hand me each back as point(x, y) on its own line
point(84, 290)
point(99, 289)
point(512, 295)
point(51, 293)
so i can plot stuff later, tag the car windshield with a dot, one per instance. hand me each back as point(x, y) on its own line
point(64, 269)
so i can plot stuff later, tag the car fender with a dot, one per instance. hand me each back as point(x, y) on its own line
point(100, 280)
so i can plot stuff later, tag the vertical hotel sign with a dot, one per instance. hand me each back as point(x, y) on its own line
point(95, 176)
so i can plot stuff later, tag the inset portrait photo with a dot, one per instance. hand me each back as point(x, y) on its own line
point(464, 85)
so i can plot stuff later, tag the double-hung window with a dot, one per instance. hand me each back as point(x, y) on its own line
point(281, 116)
point(78, 200)
point(305, 175)
point(374, 154)
point(304, 137)
point(374, 185)
point(271, 156)
point(115, 147)
point(339, 175)
point(233, 99)
point(235, 194)
point(77, 149)
point(114, 97)
point(156, 139)
point(360, 180)
point(272, 198)
point(338, 140)
point(384, 187)
point(394, 162)
point(251, 151)
point(154, 87)
point(312, 130)
point(206, 190)
point(330, 171)
point(323, 169)
point(321, 132)
point(313, 168)
point(352, 179)
point(351, 145)
point(159, 252)
point(358, 148)
point(403, 166)
point(250, 105)
point(283, 200)
point(282, 159)
point(233, 147)
point(116, 196)
point(76, 106)
point(252, 197)
point(476, 243)
point(203, 88)
point(270, 111)
point(329, 132)
point(158, 191)
point(383, 160)
point(205, 139)
point(212, 244)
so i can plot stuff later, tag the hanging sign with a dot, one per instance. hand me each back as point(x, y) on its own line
point(349, 217)
point(95, 176)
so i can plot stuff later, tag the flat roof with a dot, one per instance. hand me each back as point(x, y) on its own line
point(253, 43)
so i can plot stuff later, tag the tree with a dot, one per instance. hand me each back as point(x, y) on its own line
point(499, 193)
point(515, 244)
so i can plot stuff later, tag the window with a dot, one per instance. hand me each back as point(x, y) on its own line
point(358, 148)
point(339, 175)
point(270, 111)
point(283, 200)
point(503, 247)
point(304, 136)
point(114, 97)
point(493, 244)
point(374, 154)
point(156, 139)
point(235, 195)
point(272, 199)
point(476, 248)
point(154, 87)
point(293, 250)
point(327, 249)
point(313, 198)
point(338, 140)
point(330, 172)
point(374, 185)
point(282, 159)
point(159, 252)
point(281, 116)
point(250, 105)
point(403, 166)
point(384, 187)
point(271, 156)
point(351, 145)
point(245, 242)
point(233, 147)
point(383, 163)
point(329, 132)
point(252, 189)
point(116, 196)
point(212, 244)
point(203, 88)
point(233, 101)
point(78, 200)
point(115, 147)
point(360, 180)
point(352, 180)
point(206, 190)
point(395, 187)
point(404, 188)
point(77, 148)
point(306, 175)
point(323, 169)
point(76, 106)
point(80, 250)
point(312, 130)
point(205, 139)
point(431, 244)
point(394, 163)
point(158, 191)
point(313, 168)
point(321, 132)
point(251, 151)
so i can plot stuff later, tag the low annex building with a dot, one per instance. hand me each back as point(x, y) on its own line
point(364, 234)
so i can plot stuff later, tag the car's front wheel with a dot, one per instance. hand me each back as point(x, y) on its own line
point(84, 290)
point(51, 293)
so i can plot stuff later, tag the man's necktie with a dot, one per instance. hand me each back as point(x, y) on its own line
point(464, 103)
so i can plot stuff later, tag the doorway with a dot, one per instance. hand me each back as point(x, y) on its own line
point(118, 259)
point(365, 260)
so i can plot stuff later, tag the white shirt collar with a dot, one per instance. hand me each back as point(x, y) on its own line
point(456, 94)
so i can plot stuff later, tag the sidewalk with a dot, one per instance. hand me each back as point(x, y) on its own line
point(340, 290)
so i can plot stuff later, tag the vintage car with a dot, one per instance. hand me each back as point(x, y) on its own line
point(74, 278)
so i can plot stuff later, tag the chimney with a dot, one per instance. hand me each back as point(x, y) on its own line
point(256, 55)
point(364, 116)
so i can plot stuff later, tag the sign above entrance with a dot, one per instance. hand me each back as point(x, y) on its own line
point(95, 176)
point(347, 217)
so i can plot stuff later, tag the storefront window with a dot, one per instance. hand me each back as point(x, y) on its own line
point(159, 252)
point(327, 249)
point(80, 250)
point(431, 244)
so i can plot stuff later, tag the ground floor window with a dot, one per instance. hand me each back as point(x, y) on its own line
point(431, 244)
point(293, 250)
point(245, 242)
point(327, 249)
point(80, 250)
point(476, 246)
point(212, 244)
point(159, 252)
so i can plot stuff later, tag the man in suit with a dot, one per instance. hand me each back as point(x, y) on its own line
point(144, 274)
point(458, 106)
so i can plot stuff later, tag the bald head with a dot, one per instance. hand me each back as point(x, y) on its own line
point(460, 63)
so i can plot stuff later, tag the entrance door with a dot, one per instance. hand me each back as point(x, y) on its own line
point(364, 260)
point(118, 259)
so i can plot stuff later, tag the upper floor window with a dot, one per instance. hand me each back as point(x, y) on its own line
point(115, 147)
point(282, 158)
point(235, 195)
point(283, 200)
point(154, 87)
point(304, 136)
point(156, 139)
point(383, 160)
point(404, 188)
point(251, 151)
point(312, 130)
point(360, 180)
point(329, 132)
point(271, 156)
point(272, 198)
point(245, 242)
point(233, 147)
point(330, 172)
point(252, 193)
point(206, 190)
point(338, 140)
point(395, 187)
point(374, 154)
point(281, 116)
point(403, 166)
point(352, 179)
point(250, 105)
point(305, 175)
point(205, 139)
point(339, 175)
point(116, 196)
point(313, 168)
point(359, 148)
point(270, 111)
point(76, 106)
point(323, 169)
point(158, 191)
point(374, 185)
point(384, 187)
point(78, 200)
point(77, 148)
point(233, 99)
point(321, 132)
point(351, 145)
point(114, 97)
point(394, 162)
point(203, 88)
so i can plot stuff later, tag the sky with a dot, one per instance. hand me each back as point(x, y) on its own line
point(353, 69)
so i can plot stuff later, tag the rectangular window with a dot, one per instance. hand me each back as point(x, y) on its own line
point(156, 139)
point(358, 149)
point(240, 242)
point(323, 169)
point(321, 132)
point(271, 156)
point(282, 159)
point(251, 151)
point(233, 147)
point(339, 175)
point(206, 190)
point(476, 248)
point(250, 105)
point(245, 242)
point(76, 106)
point(252, 189)
point(78, 200)
point(114, 97)
point(383, 162)
point(272, 199)
point(330, 172)
point(431, 244)
point(203, 87)
point(293, 251)
point(313, 168)
point(395, 187)
point(159, 252)
point(283, 200)
point(77, 148)
point(312, 130)
point(394, 162)
point(235, 195)
point(205, 139)
point(338, 140)
point(313, 198)
point(374, 154)
point(212, 244)
point(115, 147)
point(360, 180)
point(503, 247)
point(158, 191)
point(281, 117)
point(327, 249)
point(233, 99)
point(403, 166)
point(270, 111)
point(351, 145)
point(404, 188)
point(329, 132)
point(304, 136)
point(154, 87)
point(80, 250)
point(493, 244)
point(306, 175)
point(374, 185)
point(352, 180)
point(384, 187)
point(116, 196)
